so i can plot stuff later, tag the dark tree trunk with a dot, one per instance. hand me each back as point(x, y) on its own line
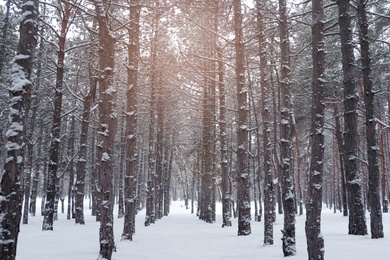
point(160, 152)
point(226, 210)
point(70, 210)
point(267, 145)
point(3, 43)
point(29, 172)
point(56, 127)
point(371, 135)
point(357, 220)
point(243, 182)
point(167, 179)
point(275, 154)
point(11, 185)
point(288, 198)
point(82, 155)
point(122, 156)
point(340, 141)
point(130, 180)
point(37, 171)
point(106, 130)
point(315, 241)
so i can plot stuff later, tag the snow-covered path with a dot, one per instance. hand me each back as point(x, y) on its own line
point(182, 236)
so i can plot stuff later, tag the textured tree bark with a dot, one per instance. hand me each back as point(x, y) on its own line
point(226, 210)
point(340, 142)
point(106, 130)
point(371, 134)
point(56, 127)
point(357, 220)
point(288, 198)
point(82, 156)
point(267, 144)
point(315, 241)
point(130, 180)
point(11, 185)
point(29, 172)
point(71, 188)
point(243, 178)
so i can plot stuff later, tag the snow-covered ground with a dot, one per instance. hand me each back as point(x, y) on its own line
point(182, 236)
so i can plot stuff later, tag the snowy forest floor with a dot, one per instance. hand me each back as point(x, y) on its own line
point(182, 236)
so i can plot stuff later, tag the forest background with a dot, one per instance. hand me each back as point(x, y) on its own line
point(142, 102)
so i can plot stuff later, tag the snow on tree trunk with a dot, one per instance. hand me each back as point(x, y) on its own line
point(106, 130)
point(315, 241)
point(267, 145)
point(130, 180)
point(288, 199)
point(11, 189)
point(243, 180)
point(82, 155)
point(371, 135)
point(226, 210)
point(53, 163)
point(357, 220)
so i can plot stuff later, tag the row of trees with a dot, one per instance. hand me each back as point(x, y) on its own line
point(135, 102)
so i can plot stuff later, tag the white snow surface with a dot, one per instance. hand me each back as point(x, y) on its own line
point(181, 235)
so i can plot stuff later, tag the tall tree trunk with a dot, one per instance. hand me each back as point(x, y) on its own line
point(371, 135)
point(107, 129)
point(82, 156)
point(130, 180)
point(29, 172)
point(56, 126)
point(243, 181)
point(4, 36)
point(37, 171)
point(122, 156)
point(315, 241)
point(267, 145)
point(160, 151)
point(71, 188)
point(357, 220)
point(11, 189)
point(288, 197)
point(226, 210)
point(340, 142)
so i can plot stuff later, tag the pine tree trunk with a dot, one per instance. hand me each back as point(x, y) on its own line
point(71, 188)
point(82, 155)
point(267, 145)
point(243, 182)
point(106, 130)
point(371, 135)
point(11, 189)
point(288, 197)
point(226, 210)
point(29, 172)
point(315, 241)
point(56, 128)
point(357, 221)
point(130, 180)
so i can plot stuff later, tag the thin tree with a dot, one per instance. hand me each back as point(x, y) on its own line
point(357, 220)
point(226, 209)
point(243, 179)
point(371, 135)
point(11, 189)
point(315, 241)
